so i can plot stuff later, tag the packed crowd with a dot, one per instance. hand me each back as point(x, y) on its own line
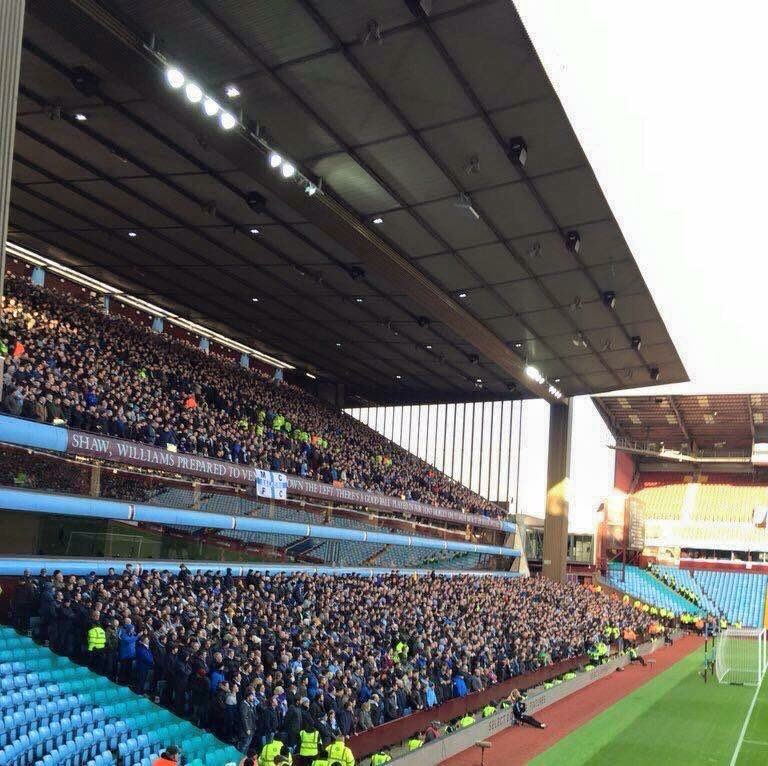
point(68, 363)
point(256, 656)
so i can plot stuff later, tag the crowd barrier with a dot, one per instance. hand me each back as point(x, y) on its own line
point(11, 566)
point(13, 499)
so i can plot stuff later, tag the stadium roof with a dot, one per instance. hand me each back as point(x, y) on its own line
point(399, 113)
point(710, 421)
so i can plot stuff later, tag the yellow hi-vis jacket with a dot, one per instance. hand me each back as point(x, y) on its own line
point(379, 759)
point(309, 742)
point(269, 751)
point(338, 751)
point(97, 638)
point(488, 711)
point(414, 743)
point(468, 720)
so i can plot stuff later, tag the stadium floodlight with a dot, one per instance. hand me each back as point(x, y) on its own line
point(310, 189)
point(81, 117)
point(398, 377)
point(533, 373)
point(275, 160)
point(227, 120)
point(232, 91)
point(210, 107)
point(193, 92)
point(358, 300)
point(462, 295)
point(428, 347)
point(132, 234)
point(287, 169)
point(174, 77)
point(254, 230)
point(255, 299)
point(378, 220)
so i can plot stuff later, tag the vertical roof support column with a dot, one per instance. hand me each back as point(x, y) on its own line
point(558, 468)
point(11, 29)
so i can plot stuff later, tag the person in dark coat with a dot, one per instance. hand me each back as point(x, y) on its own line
point(292, 726)
point(144, 665)
point(200, 697)
point(248, 717)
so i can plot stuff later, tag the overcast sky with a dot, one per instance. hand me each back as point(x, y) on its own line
point(668, 100)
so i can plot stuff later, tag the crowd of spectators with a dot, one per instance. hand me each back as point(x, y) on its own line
point(69, 363)
point(262, 655)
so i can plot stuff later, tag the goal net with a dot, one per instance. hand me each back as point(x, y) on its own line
point(740, 657)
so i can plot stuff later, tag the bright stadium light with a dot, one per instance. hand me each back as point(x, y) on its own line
point(533, 373)
point(310, 375)
point(210, 107)
point(275, 160)
point(287, 169)
point(193, 92)
point(227, 120)
point(232, 91)
point(81, 117)
point(378, 220)
point(174, 77)
point(310, 188)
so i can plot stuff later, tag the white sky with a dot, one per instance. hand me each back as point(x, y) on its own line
point(667, 99)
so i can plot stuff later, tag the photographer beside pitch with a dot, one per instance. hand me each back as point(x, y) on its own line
point(518, 710)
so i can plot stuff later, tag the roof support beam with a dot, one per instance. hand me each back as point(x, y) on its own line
point(681, 423)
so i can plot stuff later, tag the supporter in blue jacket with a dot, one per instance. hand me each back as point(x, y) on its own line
point(144, 665)
point(126, 651)
point(459, 686)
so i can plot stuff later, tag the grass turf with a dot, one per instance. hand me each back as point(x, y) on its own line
point(673, 719)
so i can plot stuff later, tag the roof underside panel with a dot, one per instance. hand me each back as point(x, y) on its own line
point(403, 118)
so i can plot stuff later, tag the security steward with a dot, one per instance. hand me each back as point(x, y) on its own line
point(467, 720)
point(97, 641)
point(338, 751)
point(309, 744)
point(380, 758)
point(271, 750)
point(415, 742)
point(488, 710)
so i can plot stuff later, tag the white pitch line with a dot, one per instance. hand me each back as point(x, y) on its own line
point(746, 723)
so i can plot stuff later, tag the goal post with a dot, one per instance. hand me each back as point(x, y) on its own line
point(741, 656)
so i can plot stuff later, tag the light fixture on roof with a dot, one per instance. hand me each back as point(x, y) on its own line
point(254, 230)
point(533, 373)
point(193, 92)
point(256, 202)
point(287, 169)
point(310, 375)
point(518, 151)
point(81, 117)
point(227, 120)
point(338, 345)
point(210, 107)
point(275, 160)
point(428, 347)
point(635, 342)
point(462, 294)
point(310, 189)
point(231, 91)
point(132, 234)
point(573, 241)
point(174, 77)
point(358, 300)
point(478, 380)
point(579, 340)
point(398, 377)
point(654, 373)
point(464, 203)
point(255, 300)
point(555, 392)
point(378, 220)
point(609, 299)
point(518, 345)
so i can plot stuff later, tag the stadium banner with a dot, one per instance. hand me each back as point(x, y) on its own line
point(273, 486)
point(145, 456)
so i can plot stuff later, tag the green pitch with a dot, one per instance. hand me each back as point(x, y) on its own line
point(673, 719)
